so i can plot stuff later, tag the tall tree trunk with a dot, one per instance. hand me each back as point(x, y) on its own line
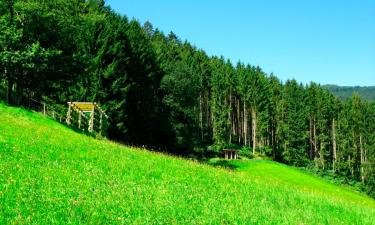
point(10, 91)
point(315, 138)
point(18, 94)
point(321, 155)
point(273, 142)
point(311, 140)
point(213, 120)
point(362, 161)
point(10, 81)
point(230, 116)
point(208, 112)
point(245, 122)
point(254, 127)
point(201, 114)
point(238, 121)
point(234, 117)
point(334, 151)
point(350, 166)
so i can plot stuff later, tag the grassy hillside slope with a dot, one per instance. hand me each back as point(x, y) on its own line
point(52, 175)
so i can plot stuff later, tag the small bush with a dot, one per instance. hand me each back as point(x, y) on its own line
point(246, 152)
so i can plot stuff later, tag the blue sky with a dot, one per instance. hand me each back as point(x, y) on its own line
point(326, 41)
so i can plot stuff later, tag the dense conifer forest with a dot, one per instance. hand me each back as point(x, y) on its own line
point(167, 94)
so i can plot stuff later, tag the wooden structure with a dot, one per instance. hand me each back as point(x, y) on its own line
point(86, 115)
point(231, 153)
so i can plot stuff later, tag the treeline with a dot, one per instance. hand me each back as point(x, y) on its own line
point(345, 92)
point(162, 92)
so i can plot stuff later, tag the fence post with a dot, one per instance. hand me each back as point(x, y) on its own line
point(91, 121)
point(68, 115)
point(79, 120)
point(44, 108)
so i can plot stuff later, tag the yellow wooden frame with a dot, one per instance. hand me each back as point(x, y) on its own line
point(84, 108)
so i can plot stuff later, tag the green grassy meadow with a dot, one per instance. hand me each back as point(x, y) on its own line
point(50, 174)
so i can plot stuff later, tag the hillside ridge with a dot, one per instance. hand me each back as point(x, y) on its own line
point(344, 92)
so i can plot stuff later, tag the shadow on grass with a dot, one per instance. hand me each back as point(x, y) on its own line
point(224, 164)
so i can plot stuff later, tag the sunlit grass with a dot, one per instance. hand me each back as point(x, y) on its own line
point(52, 175)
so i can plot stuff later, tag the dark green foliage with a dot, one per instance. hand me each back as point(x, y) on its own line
point(293, 128)
point(166, 94)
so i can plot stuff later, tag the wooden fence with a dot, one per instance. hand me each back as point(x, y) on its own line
point(95, 122)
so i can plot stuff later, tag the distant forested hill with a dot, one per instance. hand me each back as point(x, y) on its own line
point(344, 92)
